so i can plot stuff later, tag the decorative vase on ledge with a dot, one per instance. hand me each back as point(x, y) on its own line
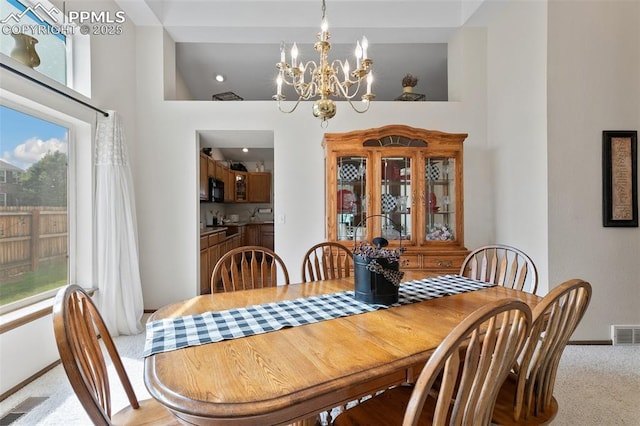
point(408, 83)
point(25, 50)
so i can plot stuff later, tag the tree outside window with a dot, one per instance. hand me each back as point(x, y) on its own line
point(34, 223)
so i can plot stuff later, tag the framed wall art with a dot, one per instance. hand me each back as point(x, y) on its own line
point(620, 178)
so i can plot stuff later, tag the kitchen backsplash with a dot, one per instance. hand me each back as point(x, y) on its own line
point(209, 210)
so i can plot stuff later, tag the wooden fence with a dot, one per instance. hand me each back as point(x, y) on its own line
point(30, 236)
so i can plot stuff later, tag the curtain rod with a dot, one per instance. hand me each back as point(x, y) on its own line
point(60, 92)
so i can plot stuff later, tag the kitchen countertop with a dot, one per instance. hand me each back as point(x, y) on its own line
point(257, 222)
point(213, 229)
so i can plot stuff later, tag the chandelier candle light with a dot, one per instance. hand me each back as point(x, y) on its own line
point(311, 80)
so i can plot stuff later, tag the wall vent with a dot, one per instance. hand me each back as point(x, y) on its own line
point(21, 409)
point(625, 334)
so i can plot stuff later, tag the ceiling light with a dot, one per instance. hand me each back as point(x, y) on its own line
point(245, 149)
point(219, 78)
point(311, 80)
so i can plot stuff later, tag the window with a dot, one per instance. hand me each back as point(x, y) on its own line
point(45, 23)
point(34, 220)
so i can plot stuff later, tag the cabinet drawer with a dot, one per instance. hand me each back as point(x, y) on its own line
point(410, 261)
point(442, 262)
point(216, 238)
point(204, 243)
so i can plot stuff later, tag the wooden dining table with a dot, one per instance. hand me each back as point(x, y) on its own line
point(292, 374)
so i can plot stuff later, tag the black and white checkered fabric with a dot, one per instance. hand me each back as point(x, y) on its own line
point(348, 171)
point(192, 330)
point(432, 171)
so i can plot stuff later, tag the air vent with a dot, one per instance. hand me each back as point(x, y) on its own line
point(227, 96)
point(21, 409)
point(625, 334)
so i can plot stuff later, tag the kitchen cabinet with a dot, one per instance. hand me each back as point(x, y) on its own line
point(211, 167)
point(259, 187)
point(209, 255)
point(214, 244)
point(240, 187)
point(402, 183)
point(204, 177)
point(260, 234)
point(267, 235)
point(229, 184)
point(219, 171)
point(252, 235)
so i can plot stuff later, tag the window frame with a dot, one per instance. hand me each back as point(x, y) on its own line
point(77, 51)
point(72, 206)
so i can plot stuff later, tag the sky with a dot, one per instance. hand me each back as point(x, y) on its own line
point(25, 139)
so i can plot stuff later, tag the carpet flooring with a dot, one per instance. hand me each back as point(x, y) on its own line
point(596, 385)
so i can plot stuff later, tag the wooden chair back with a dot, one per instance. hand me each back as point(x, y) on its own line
point(502, 265)
point(459, 383)
point(326, 261)
point(78, 325)
point(490, 340)
point(528, 394)
point(247, 267)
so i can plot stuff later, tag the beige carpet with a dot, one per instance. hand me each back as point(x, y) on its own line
point(596, 385)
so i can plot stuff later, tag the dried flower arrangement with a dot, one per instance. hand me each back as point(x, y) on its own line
point(373, 255)
point(409, 81)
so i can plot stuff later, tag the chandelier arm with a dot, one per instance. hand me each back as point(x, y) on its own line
point(295, 78)
point(358, 110)
point(337, 64)
point(344, 91)
point(292, 109)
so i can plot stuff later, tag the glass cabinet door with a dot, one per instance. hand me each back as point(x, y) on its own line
point(351, 198)
point(240, 186)
point(440, 201)
point(395, 197)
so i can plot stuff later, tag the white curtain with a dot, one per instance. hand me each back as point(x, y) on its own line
point(119, 295)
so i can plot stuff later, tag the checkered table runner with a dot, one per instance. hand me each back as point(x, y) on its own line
point(192, 330)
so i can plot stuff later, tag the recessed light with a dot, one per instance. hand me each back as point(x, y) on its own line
point(245, 149)
point(219, 78)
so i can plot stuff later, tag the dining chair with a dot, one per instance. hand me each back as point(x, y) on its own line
point(452, 389)
point(78, 328)
point(250, 267)
point(247, 267)
point(326, 261)
point(502, 265)
point(526, 397)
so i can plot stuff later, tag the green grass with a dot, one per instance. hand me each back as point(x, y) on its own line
point(47, 277)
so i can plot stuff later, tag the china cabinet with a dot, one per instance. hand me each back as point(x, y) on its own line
point(401, 183)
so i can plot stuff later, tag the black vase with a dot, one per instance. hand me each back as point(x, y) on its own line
point(371, 287)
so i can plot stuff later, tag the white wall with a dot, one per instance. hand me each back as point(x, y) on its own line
point(517, 123)
point(594, 85)
point(169, 237)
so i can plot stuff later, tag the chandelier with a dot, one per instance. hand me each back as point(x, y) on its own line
point(322, 80)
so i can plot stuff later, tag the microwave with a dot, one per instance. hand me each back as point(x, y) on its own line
point(216, 190)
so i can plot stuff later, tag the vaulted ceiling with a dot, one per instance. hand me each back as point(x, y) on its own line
point(240, 39)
